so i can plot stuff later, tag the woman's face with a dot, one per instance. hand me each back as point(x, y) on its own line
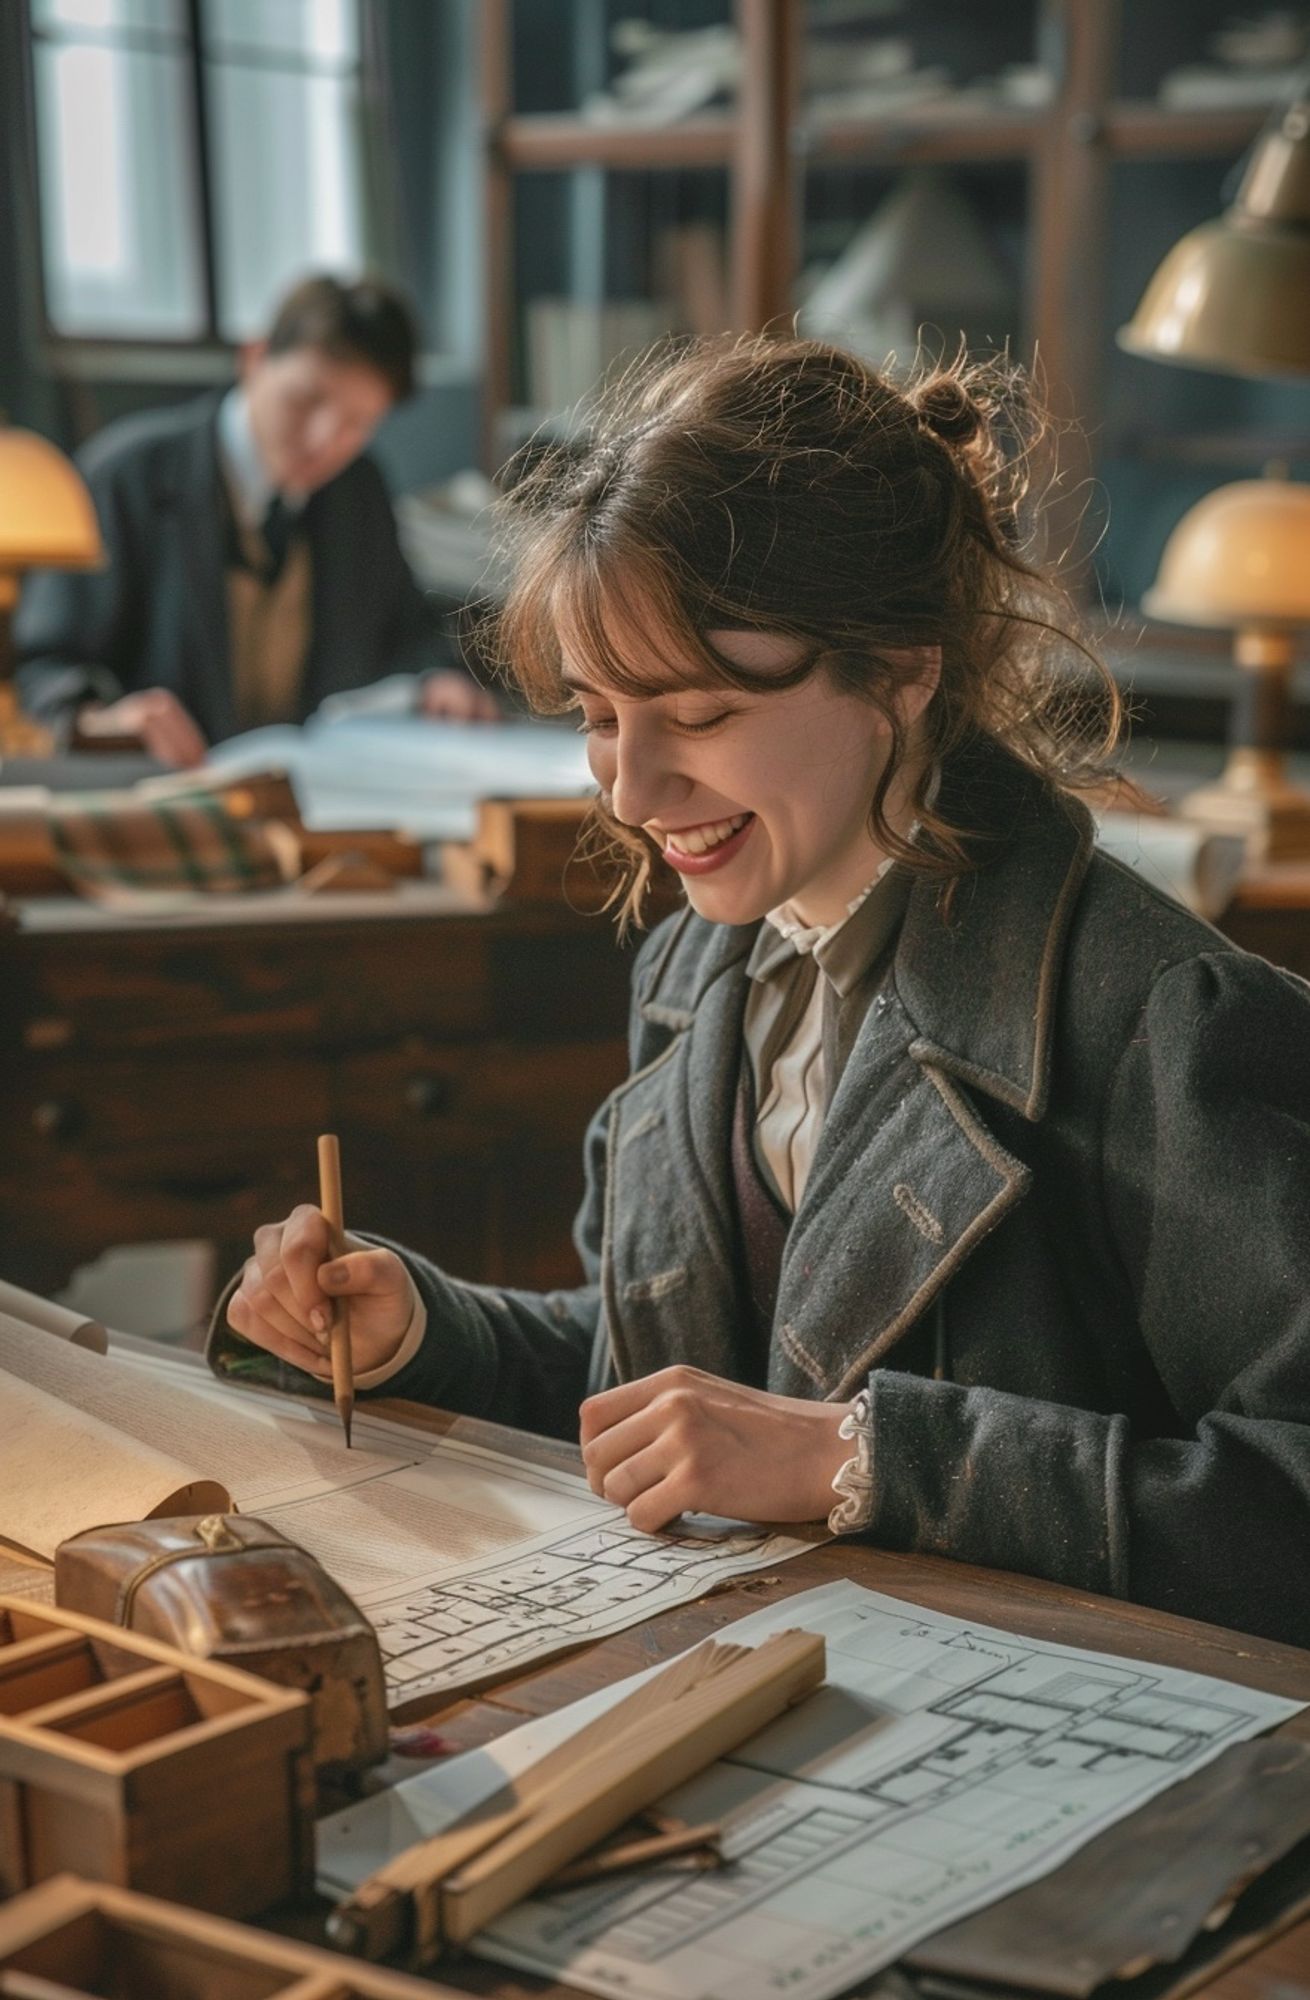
point(755, 799)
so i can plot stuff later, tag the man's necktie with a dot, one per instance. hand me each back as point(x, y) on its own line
point(275, 532)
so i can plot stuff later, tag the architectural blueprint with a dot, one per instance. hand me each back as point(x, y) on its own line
point(942, 1766)
point(483, 1619)
point(468, 1561)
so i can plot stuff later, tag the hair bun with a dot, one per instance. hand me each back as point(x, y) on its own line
point(944, 404)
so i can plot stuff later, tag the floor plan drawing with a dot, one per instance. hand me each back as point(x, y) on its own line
point(487, 1617)
point(941, 1765)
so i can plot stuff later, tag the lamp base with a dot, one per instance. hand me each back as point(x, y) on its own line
point(19, 735)
point(1254, 800)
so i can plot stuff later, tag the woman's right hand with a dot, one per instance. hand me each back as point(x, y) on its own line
point(288, 1290)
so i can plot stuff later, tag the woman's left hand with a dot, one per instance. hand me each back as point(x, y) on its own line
point(682, 1442)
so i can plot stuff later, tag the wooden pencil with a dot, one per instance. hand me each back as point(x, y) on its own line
point(691, 1846)
point(329, 1198)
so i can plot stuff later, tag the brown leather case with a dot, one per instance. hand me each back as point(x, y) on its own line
point(230, 1587)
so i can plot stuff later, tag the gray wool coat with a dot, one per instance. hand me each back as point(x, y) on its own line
point(1058, 1221)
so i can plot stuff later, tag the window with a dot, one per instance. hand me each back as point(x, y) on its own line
point(194, 157)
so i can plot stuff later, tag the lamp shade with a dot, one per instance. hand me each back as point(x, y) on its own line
point(1239, 558)
point(47, 519)
point(1235, 293)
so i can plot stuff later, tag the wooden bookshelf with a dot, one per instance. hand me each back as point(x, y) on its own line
point(773, 150)
point(1148, 131)
point(922, 136)
point(547, 144)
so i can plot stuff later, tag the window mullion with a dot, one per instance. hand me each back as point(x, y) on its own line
point(204, 178)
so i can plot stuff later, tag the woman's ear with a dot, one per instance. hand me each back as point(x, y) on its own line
point(920, 684)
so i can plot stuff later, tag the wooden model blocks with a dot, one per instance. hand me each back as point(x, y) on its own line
point(81, 1941)
point(131, 1763)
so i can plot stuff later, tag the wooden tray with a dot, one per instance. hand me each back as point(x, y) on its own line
point(131, 1763)
point(83, 1941)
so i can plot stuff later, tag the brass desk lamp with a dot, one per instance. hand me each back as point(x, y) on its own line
point(1240, 560)
point(1235, 295)
point(47, 521)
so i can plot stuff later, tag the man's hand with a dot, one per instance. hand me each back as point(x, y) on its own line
point(453, 697)
point(682, 1442)
point(156, 717)
point(285, 1298)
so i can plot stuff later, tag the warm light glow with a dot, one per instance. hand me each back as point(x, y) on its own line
point(47, 519)
point(1241, 556)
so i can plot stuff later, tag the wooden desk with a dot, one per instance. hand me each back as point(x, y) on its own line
point(164, 1078)
point(1279, 1971)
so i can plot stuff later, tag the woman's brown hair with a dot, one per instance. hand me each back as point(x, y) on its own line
point(783, 485)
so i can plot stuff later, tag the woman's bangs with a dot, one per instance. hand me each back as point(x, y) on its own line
point(634, 639)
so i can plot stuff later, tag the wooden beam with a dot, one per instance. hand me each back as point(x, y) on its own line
point(765, 203)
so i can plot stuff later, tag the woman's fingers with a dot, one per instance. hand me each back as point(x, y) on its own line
point(453, 697)
point(293, 1253)
point(657, 1506)
point(682, 1441)
point(290, 1288)
point(372, 1274)
point(613, 1406)
point(257, 1317)
point(651, 1486)
point(620, 1442)
point(646, 1463)
point(635, 1475)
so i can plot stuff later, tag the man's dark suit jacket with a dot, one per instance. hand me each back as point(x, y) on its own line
point(157, 615)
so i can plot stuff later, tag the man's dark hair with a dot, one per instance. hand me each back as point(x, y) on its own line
point(364, 321)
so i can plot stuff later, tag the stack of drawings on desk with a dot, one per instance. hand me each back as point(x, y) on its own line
point(941, 1768)
point(425, 779)
point(419, 777)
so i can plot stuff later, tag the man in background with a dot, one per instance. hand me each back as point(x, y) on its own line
point(253, 563)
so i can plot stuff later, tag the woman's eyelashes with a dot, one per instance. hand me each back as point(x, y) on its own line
point(600, 723)
point(593, 725)
point(702, 726)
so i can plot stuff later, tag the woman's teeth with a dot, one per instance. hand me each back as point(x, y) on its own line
point(701, 839)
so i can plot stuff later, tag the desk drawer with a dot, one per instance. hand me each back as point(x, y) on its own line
point(482, 1095)
point(144, 1110)
point(79, 1206)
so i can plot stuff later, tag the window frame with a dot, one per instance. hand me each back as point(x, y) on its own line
point(206, 355)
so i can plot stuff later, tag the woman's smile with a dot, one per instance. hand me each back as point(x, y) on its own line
point(697, 850)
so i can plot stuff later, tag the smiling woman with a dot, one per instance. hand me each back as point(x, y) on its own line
point(946, 1139)
point(755, 799)
point(759, 516)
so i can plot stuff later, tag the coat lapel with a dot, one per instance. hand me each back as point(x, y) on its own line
point(908, 1179)
point(670, 1260)
point(906, 1182)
